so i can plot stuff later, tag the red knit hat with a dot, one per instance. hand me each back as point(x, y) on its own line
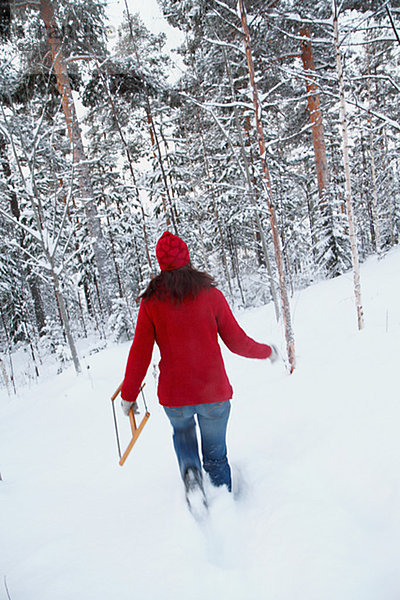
point(172, 252)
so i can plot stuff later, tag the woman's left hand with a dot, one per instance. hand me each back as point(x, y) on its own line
point(274, 356)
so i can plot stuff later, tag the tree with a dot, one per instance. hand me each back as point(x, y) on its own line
point(268, 188)
point(82, 172)
point(349, 208)
point(47, 226)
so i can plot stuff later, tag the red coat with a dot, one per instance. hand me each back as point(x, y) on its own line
point(191, 367)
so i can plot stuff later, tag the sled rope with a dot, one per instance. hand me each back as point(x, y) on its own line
point(144, 399)
point(116, 430)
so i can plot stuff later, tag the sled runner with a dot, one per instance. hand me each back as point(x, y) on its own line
point(136, 430)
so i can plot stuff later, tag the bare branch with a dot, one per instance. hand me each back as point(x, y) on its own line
point(389, 12)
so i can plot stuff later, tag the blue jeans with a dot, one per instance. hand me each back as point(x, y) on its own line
point(212, 419)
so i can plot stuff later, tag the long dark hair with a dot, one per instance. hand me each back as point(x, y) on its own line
point(178, 284)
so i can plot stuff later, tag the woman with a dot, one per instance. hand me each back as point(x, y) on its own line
point(183, 312)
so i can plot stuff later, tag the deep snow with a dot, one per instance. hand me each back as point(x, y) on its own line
point(319, 453)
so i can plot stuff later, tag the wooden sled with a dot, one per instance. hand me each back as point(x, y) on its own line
point(136, 430)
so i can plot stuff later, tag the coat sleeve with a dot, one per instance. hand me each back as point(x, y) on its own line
point(233, 335)
point(139, 355)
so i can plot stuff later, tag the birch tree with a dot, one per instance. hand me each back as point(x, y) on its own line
point(268, 188)
point(346, 164)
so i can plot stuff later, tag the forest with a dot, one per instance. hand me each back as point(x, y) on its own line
point(274, 154)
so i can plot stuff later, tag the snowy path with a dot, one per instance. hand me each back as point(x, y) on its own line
point(319, 451)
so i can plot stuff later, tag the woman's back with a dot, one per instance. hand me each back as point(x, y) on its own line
point(191, 367)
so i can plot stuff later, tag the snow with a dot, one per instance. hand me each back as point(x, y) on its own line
point(318, 453)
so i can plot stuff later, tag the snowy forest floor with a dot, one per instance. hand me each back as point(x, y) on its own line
point(318, 451)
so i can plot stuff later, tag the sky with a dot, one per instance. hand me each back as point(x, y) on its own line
point(150, 13)
point(154, 20)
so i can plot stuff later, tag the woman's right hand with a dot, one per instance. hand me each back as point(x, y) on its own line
point(127, 406)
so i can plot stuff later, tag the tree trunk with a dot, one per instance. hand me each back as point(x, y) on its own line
point(311, 219)
point(250, 188)
point(65, 320)
point(396, 33)
point(8, 349)
point(267, 181)
point(214, 206)
point(170, 177)
point(375, 209)
point(321, 161)
point(349, 208)
point(131, 169)
point(158, 156)
point(364, 190)
point(170, 216)
point(80, 162)
point(193, 186)
point(235, 262)
point(15, 211)
point(314, 111)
